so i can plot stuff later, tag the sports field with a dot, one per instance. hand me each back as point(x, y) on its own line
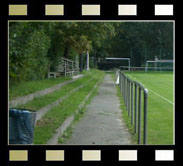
point(160, 105)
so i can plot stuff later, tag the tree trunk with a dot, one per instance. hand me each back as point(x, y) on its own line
point(66, 52)
point(137, 55)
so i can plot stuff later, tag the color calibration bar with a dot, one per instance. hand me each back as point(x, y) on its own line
point(91, 10)
point(91, 155)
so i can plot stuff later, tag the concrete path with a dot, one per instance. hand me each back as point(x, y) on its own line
point(102, 123)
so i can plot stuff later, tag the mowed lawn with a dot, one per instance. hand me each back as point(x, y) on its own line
point(160, 105)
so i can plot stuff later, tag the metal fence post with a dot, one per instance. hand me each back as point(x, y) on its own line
point(125, 90)
point(145, 115)
point(127, 94)
point(139, 117)
point(122, 85)
point(129, 85)
point(135, 130)
point(119, 80)
point(132, 103)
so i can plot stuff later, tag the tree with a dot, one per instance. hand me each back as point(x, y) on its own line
point(36, 45)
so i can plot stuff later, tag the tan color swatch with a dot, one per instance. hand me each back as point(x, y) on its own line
point(57, 10)
point(90, 10)
point(91, 155)
point(16, 10)
point(127, 9)
point(18, 155)
point(55, 155)
point(127, 155)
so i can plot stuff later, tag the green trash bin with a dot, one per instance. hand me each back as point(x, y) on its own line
point(21, 126)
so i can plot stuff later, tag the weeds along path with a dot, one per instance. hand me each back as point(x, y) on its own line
point(29, 97)
point(42, 111)
point(73, 95)
point(102, 123)
point(67, 123)
point(55, 97)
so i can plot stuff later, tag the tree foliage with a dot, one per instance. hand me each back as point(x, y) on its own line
point(33, 46)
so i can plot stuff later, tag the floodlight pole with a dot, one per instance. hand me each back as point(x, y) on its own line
point(160, 58)
point(87, 63)
point(145, 53)
point(146, 66)
point(131, 55)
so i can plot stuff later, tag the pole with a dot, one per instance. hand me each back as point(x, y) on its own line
point(146, 66)
point(81, 62)
point(65, 66)
point(139, 117)
point(160, 59)
point(145, 54)
point(87, 63)
point(130, 59)
point(132, 103)
point(145, 116)
point(135, 109)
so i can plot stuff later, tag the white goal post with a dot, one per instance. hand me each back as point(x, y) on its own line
point(122, 59)
point(156, 62)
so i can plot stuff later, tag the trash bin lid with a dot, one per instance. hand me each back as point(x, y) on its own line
point(16, 112)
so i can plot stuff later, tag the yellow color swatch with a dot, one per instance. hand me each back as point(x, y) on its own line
point(90, 10)
point(15, 10)
point(54, 155)
point(57, 10)
point(91, 155)
point(18, 155)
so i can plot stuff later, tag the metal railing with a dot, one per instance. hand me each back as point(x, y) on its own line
point(132, 93)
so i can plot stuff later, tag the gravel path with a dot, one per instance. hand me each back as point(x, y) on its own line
point(102, 123)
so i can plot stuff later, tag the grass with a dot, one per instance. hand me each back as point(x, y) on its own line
point(161, 83)
point(125, 116)
point(160, 107)
point(25, 88)
point(55, 117)
point(68, 132)
point(45, 100)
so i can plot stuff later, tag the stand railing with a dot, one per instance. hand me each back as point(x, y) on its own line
point(132, 93)
point(66, 67)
